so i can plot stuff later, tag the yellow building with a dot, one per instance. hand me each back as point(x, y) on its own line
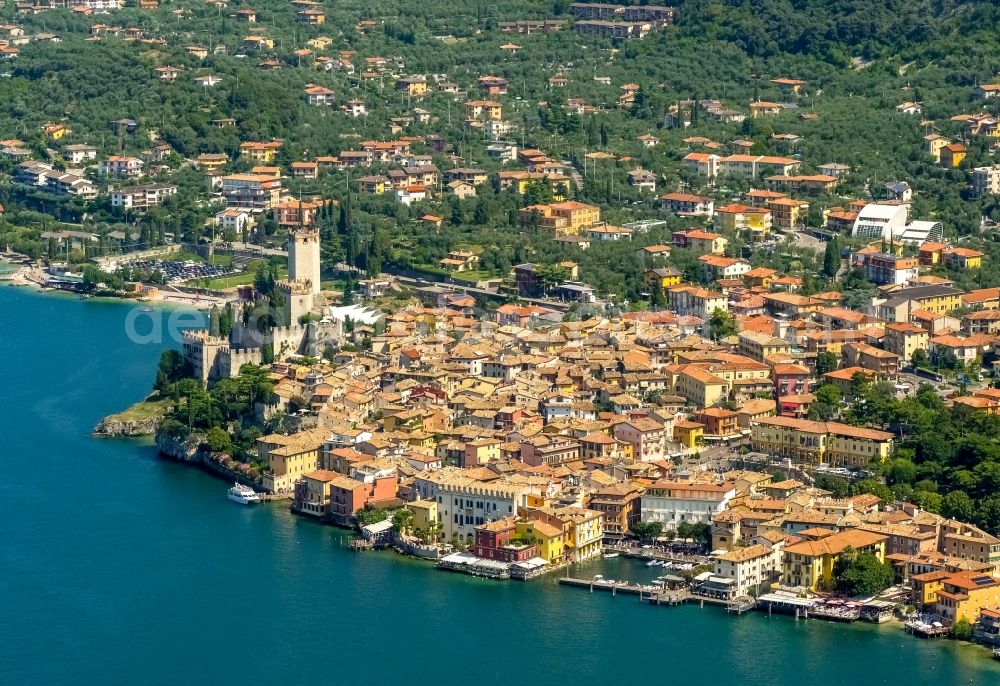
point(700, 386)
point(952, 155)
point(549, 540)
point(561, 218)
point(820, 442)
point(320, 42)
point(904, 338)
point(520, 181)
point(701, 242)
point(260, 152)
point(424, 514)
point(809, 564)
point(963, 258)
point(582, 530)
point(935, 144)
point(662, 277)
point(756, 221)
point(481, 452)
point(787, 213)
point(758, 346)
point(413, 85)
point(483, 110)
point(689, 434)
point(55, 131)
point(289, 457)
point(963, 595)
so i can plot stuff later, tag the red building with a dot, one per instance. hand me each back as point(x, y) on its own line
point(348, 495)
point(795, 405)
point(507, 417)
point(493, 542)
point(792, 379)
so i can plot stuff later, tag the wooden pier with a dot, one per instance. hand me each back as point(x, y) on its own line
point(654, 594)
point(614, 587)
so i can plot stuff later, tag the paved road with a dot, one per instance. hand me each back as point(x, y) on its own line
point(252, 250)
point(807, 241)
point(409, 281)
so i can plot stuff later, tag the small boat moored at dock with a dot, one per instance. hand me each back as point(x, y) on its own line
point(242, 494)
point(609, 556)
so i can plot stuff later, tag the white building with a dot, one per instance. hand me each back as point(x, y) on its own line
point(141, 198)
point(355, 108)
point(464, 504)
point(986, 181)
point(79, 153)
point(750, 568)
point(889, 222)
point(411, 194)
point(676, 502)
point(233, 219)
point(120, 165)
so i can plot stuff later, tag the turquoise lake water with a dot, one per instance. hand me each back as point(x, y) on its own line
point(117, 567)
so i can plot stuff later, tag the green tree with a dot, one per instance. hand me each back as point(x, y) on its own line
point(919, 358)
point(370, 515)
point(647, 531)
point(901, 470)
point(401, 520)
point(721, 325)
point(962, 630)
point(831, 258)
point(218, 441)
point(861, 573)
point(927, 500)
point(958, 505)
point(172, 368)
point(876, 488)
point(826, 362)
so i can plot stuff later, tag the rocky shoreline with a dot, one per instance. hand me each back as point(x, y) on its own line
point(190, 450)
point(142, 419)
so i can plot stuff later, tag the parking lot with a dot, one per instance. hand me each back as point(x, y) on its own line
point(178, 272)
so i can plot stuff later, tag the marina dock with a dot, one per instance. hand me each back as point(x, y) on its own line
point(614, 587)
point(658, 594)
point(926, 629)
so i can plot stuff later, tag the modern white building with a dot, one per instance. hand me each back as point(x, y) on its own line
point(889, 222)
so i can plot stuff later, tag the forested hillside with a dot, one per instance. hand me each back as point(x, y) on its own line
point(860, 60)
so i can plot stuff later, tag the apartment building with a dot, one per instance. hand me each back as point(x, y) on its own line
point(252, 192)
point(141, 198)
point(821, 443)
point(677, 502)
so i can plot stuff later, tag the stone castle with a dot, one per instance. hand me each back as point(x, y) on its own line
point(301, 327)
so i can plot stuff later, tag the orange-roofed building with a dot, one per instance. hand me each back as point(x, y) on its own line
point(809, 564)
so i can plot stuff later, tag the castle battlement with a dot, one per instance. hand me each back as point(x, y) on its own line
point(303, 235)
point(298, 287)
point(201, 337)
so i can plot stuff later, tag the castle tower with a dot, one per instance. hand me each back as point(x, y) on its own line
point(303, 258)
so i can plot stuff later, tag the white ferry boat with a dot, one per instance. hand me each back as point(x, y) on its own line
point(242, 494)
